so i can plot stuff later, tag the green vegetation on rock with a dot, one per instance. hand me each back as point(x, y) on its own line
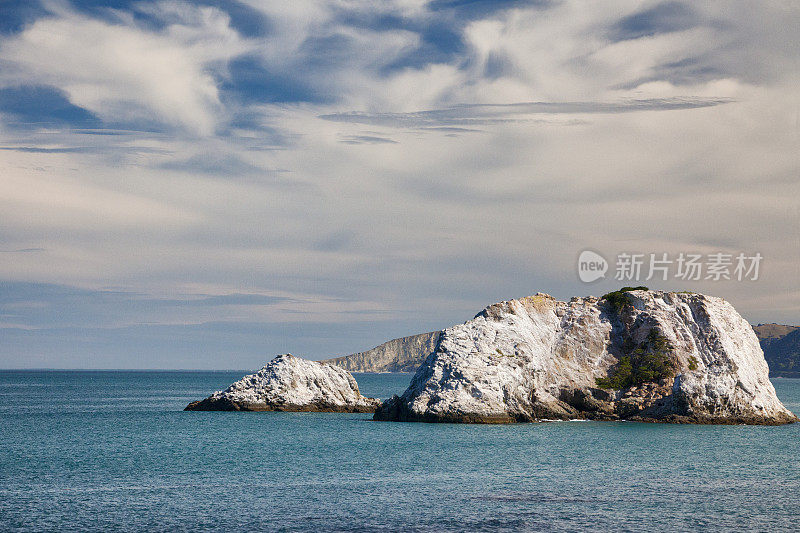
point(649, 361)
point(500, 353)
point(617, 299)
point(620, 377)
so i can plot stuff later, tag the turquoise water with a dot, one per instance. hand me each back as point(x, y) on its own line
point(113, 451)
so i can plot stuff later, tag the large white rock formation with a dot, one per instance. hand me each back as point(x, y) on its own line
point(288, 383)
point(537, 358)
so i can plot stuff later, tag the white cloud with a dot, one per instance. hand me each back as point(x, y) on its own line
point(124, 73)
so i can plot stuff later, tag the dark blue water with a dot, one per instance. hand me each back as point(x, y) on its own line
point(114, 451)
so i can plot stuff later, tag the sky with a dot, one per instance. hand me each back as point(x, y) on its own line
point(203, 185)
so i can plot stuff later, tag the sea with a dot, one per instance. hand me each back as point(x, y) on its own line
point(114, 451)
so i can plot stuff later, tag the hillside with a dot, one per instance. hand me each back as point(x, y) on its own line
point(773, 331)
point(397, 355)
point(781, 345)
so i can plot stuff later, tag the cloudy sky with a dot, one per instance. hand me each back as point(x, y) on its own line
point(206, 184)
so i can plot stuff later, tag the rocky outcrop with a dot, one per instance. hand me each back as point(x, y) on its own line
point(288, 383)
point(398, 355)
point(638, 355)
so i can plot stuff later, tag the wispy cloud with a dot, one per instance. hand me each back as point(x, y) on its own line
point(366, 139)
point(491, 113)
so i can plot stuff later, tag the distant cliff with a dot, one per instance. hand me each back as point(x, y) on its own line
point(781, 345)
point(399, 355)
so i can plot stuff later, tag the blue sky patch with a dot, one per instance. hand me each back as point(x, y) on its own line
point(41, 106)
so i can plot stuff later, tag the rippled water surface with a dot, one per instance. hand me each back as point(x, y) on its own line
point(114, 451)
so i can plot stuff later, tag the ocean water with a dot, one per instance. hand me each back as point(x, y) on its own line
point(113, 451)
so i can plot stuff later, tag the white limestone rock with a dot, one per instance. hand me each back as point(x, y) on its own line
point(288, 383)
point(537, 358)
